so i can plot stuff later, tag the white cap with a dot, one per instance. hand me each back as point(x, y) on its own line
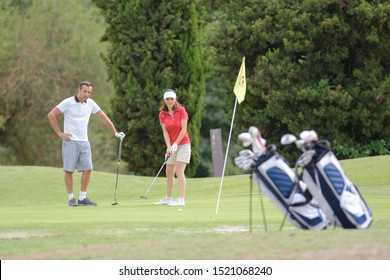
point(169, 94)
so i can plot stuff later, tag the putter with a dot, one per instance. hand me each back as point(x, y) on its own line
point(117, 171)
point(146, 194)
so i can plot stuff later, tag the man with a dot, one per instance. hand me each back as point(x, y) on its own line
point(76, 150)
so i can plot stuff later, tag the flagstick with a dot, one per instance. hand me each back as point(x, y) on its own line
point(226, 155)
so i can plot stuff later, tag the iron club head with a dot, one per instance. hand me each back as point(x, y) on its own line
point(143, 197)
point(115, 203)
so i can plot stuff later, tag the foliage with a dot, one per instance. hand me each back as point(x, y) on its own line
point(47, 48)
point(311, 64)
point(154, 46)
point(376, 147)
point(213, 117)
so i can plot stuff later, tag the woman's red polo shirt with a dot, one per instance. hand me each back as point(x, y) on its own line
point(173, 124)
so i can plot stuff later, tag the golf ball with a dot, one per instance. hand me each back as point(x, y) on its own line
point(180, 210)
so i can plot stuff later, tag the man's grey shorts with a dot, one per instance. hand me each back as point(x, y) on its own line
point(76, 154)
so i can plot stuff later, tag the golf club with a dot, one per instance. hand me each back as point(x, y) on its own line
point(158, 173)
point(307, 137)
point(117, 170)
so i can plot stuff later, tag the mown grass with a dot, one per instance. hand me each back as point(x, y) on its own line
point(36, 223)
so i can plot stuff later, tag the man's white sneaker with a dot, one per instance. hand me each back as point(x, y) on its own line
point(163, 201)
point(177, 203)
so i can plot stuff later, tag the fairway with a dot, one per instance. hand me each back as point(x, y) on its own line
point(36, 223)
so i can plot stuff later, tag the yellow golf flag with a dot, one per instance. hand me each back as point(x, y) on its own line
point(240, 86)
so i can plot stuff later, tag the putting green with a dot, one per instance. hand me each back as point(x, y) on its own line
point(36, 223)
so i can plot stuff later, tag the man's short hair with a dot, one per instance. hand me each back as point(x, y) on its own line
point(85, 83)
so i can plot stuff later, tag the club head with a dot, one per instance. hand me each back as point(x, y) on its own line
point(115, 203)
point(245, 139)
point(143, 197)
point(253, 131)
point(308, 136)
point(288, 139)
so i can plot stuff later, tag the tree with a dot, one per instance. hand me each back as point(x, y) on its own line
point(311, 64)
point(47, 48)
point(154, 46)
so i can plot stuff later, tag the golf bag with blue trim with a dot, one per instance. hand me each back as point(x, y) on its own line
point(337, 196)
point(275, 178)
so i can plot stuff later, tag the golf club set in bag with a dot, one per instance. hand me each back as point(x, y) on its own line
point(313, 196)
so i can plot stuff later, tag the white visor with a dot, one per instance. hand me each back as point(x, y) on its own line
point(169, 94)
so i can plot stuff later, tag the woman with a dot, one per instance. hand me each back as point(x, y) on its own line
point(173, 120)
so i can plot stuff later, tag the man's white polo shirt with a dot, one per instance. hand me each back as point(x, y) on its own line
point(76, 116)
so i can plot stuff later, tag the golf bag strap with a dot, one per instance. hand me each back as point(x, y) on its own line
point(308, 197)
point(307, 194)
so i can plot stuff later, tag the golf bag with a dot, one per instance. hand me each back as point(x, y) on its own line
point(337, 196)
point(280, 184)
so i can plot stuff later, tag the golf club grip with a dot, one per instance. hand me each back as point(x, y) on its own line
point(120, 151)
